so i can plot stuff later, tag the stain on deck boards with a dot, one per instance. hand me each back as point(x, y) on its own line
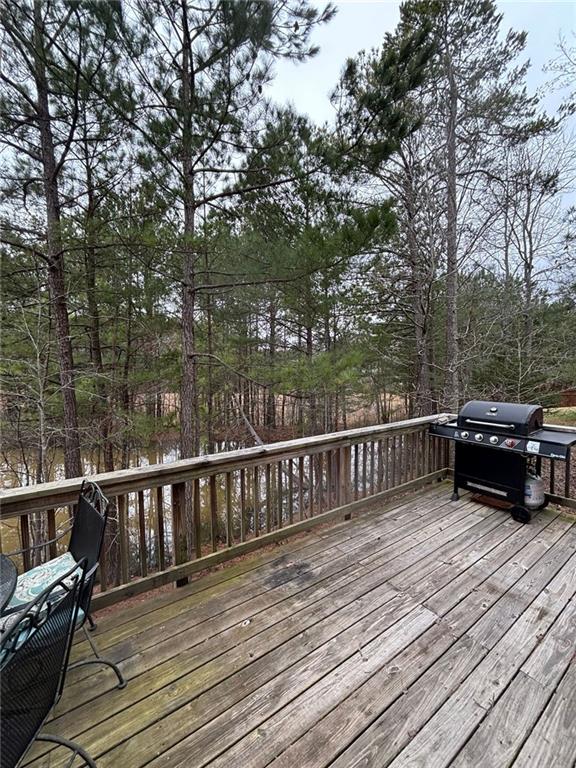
point(301, 572)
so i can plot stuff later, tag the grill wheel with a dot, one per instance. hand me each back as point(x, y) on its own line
point(521, 514)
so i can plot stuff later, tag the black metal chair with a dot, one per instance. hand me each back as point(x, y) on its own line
point(86, 540)
point(34, 653)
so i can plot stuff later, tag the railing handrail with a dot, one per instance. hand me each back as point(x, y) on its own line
point(18, 501)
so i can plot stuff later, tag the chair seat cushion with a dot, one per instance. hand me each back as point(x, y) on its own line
point(35, 581)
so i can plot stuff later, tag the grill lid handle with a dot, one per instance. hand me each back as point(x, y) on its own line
point(490, 424)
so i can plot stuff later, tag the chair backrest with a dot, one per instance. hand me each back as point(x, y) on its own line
point(35, 653)
point(89, 524)
point(87, 537)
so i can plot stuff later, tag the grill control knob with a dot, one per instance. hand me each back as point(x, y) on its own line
point(464, 435)
point(494, 440)
point(478, 437)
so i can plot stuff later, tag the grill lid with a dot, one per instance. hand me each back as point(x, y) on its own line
point(511, 418)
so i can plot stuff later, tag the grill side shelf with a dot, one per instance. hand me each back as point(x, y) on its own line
point(544, 443)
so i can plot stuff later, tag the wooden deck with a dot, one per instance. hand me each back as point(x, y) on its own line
point(427, 633)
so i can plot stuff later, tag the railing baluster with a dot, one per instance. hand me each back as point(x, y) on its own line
point(242, 505)
point(229, 531)
point(160, 524)
point(320, 479)
point(386, 464)
point(290, 491)
point(356, 471)
point(121, 505)
point(329, 479)
point(301, 487)
point(256, 502)
point(311, 484)
point(178, 535)
point(567, 475)
point(142, 534)
point(552, 473)
point(338, 477)
point(197, 517)
point(280, 499)
point(268, 498)
point(393, 463)
point(51, 518)
point(372, 468)
point(213, 494)
point(345, 471)
point(25, 541)
point(364, 469)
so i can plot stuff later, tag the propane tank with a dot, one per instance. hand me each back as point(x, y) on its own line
point(533, 491)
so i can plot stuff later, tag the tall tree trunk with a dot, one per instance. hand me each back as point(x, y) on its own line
point(451, 389)
point(54, 252)
point(189, 401)
point(422, 386)
point(111, 542)
point(209, 376)
point(312, 409)
point(271, 397)
point(189, 427)
point(528, 258)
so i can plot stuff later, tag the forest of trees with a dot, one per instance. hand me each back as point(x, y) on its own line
point(184, 260)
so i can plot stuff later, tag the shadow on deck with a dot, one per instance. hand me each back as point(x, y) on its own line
point(427, 633)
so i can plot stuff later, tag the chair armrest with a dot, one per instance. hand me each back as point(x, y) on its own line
point(91, 572)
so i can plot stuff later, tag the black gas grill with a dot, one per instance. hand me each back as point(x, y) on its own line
point(497, 444)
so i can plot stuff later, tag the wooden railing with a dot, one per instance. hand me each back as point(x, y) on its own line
point(170, 520)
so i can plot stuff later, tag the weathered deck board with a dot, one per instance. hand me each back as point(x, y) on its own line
point(424, 633)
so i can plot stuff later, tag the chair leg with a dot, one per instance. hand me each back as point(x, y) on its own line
point(92, 623)
point(76, 748)
point(99, 660)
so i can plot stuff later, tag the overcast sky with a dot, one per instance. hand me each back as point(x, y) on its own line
point(360, 24)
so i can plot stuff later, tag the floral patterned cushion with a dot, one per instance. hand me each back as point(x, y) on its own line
point(6, 624)
point(35, 581)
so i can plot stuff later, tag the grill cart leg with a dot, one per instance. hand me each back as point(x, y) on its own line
point(455, 495)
